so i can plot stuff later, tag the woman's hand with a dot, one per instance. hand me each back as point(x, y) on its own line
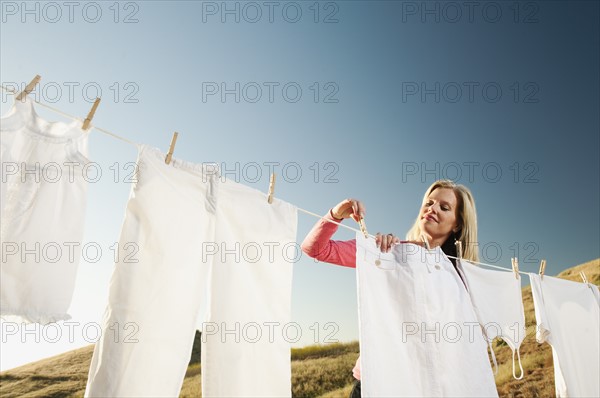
point(385, 242)
point(349, 208)
point(355, 209)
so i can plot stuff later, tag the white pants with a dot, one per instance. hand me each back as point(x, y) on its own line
point(419, 336)
point(42, 204)
point(183, 218)
point(250, 297)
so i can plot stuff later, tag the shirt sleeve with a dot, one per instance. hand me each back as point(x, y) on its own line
point(318, 244)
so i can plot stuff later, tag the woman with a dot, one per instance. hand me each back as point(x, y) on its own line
point(447, 215)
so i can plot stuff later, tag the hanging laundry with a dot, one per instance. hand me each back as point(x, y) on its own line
point(568, 318)
point(498, 303)
point(419, 335)
point(194, 235)
point(250, 297)
point(42, 200)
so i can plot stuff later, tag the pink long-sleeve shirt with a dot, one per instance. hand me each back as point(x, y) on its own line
point(318, 244)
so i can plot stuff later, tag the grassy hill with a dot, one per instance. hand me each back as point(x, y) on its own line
point(317, 371)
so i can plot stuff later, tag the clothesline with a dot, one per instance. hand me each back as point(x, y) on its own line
point(14, 92)
point(371, 236)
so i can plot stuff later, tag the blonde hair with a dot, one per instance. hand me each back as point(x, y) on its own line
point(466, 219)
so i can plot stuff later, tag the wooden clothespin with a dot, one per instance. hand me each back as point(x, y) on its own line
point(29, 88)
point(171, 148)
point(458, 245)
point(583, 277)
point(363, 227)
point(271, 188)
point(515, 266)
point(90, 116)
point(542, 268)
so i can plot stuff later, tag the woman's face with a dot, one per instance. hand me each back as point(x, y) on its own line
point(437, 217)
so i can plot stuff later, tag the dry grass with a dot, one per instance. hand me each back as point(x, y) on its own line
point(591, 270)
point(64, 375)
point(314, 377)
point(323, 371)
point(192, 384)
point(343, 392)
point(326, 350)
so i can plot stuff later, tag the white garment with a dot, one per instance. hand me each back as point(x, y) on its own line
point(177, 215)
point(419, 334)
point(568, 318)
point(496, 296)
point(250, 297)
point(42, 204)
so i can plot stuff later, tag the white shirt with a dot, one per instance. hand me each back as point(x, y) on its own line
point(419, 335)
point(43, 199)
point(568, 318)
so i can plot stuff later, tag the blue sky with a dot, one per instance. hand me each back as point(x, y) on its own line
point(366, 99)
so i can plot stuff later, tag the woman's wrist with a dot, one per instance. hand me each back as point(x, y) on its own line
point(334, 217)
